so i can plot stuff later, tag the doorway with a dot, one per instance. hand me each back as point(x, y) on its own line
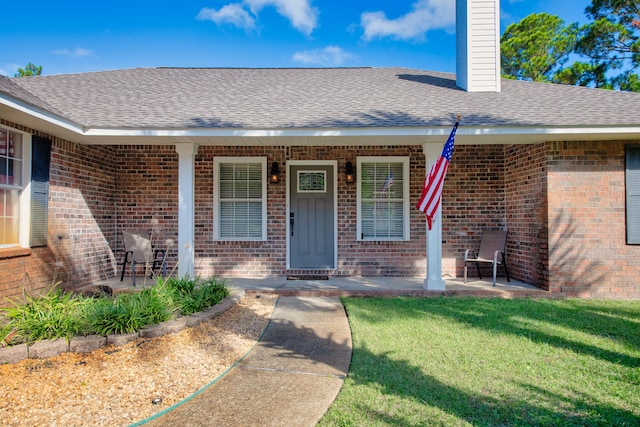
point(311, 213)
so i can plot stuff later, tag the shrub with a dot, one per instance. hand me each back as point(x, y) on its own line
point(63, 315)
point(129, 312)
point(199, 296)
point(54, 315)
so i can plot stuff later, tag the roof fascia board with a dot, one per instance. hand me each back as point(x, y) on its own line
point(372, 132)
point(41, 114)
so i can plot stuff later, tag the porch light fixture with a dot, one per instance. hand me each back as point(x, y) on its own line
point(274, 177)
point(350, 173)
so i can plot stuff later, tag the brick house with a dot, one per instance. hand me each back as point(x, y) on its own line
point(189, 153)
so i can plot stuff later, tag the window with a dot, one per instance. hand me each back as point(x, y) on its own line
point(11, 166)
point(240, 208)
point(383, 198)
point(632, 178)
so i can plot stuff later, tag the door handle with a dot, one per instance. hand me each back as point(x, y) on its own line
point(291, 222)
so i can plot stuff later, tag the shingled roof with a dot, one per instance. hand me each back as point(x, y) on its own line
point(187, 98)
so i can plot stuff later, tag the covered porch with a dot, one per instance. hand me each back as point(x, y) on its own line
point(360, 286)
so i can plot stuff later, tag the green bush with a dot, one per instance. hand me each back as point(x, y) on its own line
point(130, 312)
point(63, 315)
point(54, 315)
point(193, 297)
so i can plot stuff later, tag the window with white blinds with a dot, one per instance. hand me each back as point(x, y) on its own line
point(383, 198)
point(240, 198)
point(11, 186)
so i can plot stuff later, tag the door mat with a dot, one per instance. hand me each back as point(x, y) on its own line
point(308, 277)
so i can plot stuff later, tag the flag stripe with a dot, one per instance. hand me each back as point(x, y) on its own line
point(431, 193)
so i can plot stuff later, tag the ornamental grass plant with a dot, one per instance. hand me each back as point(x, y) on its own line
point(491, 362)
point(58, 314)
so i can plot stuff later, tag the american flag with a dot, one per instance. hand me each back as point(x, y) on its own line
point(388, 183)
point(430, 198)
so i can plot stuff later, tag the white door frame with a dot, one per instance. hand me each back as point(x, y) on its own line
point(290, 181)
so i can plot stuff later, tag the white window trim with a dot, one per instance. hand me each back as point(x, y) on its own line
point(25, 192)
point(216, 195)
point(406, 179)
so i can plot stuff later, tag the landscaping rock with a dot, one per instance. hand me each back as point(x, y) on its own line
point(208, 314)
point(48, 348)
point(122, 339)
point(96, 291)
point(222, 306)
point(163, 328)
point(87, 344)
point(13, 354)
point(193, 320)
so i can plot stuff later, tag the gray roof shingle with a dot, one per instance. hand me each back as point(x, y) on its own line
point(12, 88)
point(179, 98)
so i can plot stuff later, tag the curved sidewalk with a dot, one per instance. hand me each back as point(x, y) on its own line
point(290, 377)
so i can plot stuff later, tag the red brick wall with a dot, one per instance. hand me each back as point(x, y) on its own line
point(269, 258)
point(24, 272)
point(147, 196)
point(473, 199)
point(526, 201)
point(80, 223)
point(588, 254)
point(488, 186)
point(82, 211)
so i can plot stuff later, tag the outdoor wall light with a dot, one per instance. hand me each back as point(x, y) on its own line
point(274, 177)
point(350, 173)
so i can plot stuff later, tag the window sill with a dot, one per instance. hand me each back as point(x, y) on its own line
point(6, 253)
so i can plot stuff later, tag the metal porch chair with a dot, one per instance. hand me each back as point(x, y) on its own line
point(492, 251)
point(138, 249)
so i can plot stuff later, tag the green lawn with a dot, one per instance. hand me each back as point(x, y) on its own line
point(491, 362)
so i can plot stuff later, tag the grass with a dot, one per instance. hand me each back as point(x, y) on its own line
point(491, 362)
point(62, 315)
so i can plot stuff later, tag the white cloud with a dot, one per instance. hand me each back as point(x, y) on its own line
point(9, 69)
point(300, 13)
point(233, 14)
point(425, 15)
point(329, 56)
point(74, 53)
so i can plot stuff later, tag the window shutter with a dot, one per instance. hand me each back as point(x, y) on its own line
point(40, 159)
point(632, 175)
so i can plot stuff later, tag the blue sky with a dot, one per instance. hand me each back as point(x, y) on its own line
point(94, 35)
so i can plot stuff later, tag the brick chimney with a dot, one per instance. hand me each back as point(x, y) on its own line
point(478, 45)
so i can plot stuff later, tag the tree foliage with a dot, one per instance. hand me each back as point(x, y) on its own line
point(612, 41)
point(29, 70)
point(537, 47)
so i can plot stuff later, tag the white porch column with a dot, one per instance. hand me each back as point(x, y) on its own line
point(433, 281)
point(186, 200)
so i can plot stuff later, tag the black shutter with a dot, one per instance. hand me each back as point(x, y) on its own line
point(632, 175)
point(40, 159)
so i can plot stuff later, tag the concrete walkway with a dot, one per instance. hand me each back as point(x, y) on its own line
point(290, 378)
